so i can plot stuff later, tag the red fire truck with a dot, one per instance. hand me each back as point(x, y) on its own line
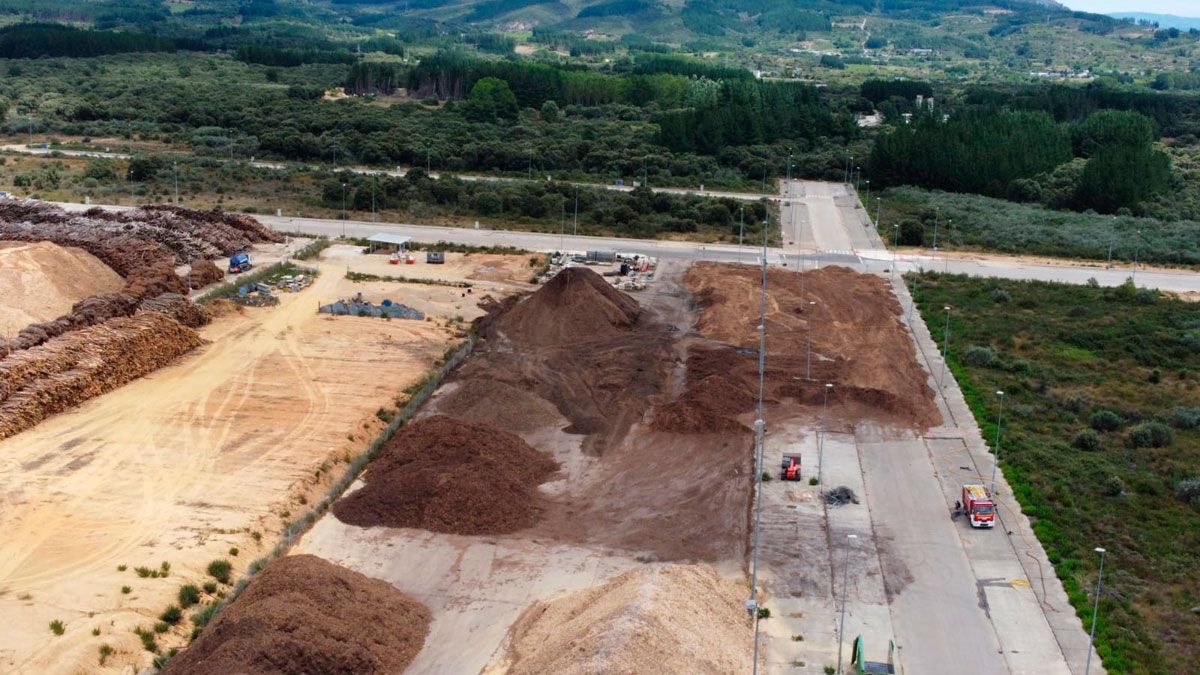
point(978, 505)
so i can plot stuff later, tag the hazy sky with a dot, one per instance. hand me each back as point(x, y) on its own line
point(1180, 7)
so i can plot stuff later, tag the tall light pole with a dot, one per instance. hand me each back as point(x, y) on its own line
point(759, 431)
point(996, 459)
point(845, 586)
point(895, 246)
point(1136, 243)
point(741, 229)
point(867, 201)
point(821, 436)
point(808, 340)
point(913, 301)
point(343, 210)
point(878, 212)
point(175, 166)
point(949, 222)
point(936, 217)
point(575, 224)
point(1095, 611)
point(374, 181)
point(945, 346)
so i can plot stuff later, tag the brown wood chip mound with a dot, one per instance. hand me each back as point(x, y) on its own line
point(204, 272)
point(683, 619)
point(305, 615)
point(577, 305)
point(446, 475)
point(504, 405)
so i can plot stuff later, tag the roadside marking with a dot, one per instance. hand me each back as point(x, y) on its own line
point(1019, 583)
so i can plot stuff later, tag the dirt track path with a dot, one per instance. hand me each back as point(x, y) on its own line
point(181, 465)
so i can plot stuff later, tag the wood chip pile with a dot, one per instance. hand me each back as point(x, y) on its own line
point(67, 370)
point(177, 307)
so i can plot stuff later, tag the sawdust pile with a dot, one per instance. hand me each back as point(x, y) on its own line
point(858, 340)
point(585, 347)
point(577, 305)
point(40, 281)
point(142, 245)
point(305, 615)
point(498, 403)
point(712, 399)
point(446, 475)
point(48, 379)
point(204, 272)
point(683, 619)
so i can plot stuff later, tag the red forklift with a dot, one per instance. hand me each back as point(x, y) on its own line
point(790, 469)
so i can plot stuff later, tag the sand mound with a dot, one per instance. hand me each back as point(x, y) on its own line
point(498, 403)
point(305, 615)
point(577, 305)
point(682, 619)
point(445, 475)
point(41, 281)
point(852, 322)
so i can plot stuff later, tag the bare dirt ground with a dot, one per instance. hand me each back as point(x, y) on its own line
point(40, 282)
point(182, 465)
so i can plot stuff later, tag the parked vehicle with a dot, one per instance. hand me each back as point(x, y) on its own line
point(978, 505)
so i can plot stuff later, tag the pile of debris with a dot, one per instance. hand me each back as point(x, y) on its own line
point(357, 306)
point(445, 475)
point(839, 496)
point(305, 615)
point(204, 272)
point(644, 621)
point(177, 307)
point(50, 378)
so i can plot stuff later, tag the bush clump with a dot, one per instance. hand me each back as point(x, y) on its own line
point(188, 596)
point(57, 627)
point(219, 570)
point(1183, 417)
point(1189, 491)
point(1087, 439)
point(171, 615)
point(1105, 420)
point(1150, 435)
point(980, 356)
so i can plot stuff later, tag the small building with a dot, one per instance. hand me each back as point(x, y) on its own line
point(388, 242)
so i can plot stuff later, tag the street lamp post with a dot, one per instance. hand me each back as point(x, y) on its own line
point(1136, 243)
point(878, 211)
point(343, 210)
point(895, 246)
point(374, 180)
point(949, 222)
point(821, 435)
point(575, 225)
point(996, 459)
point(945, 347)
point(913, 301)
point(936, 217)
point(175, 166)
point(845, 585)
point(1095, 611)
point(741, 229)
point(868, 199)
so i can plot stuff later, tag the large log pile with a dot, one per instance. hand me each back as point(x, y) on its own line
point(67, 370)
point(142, 245)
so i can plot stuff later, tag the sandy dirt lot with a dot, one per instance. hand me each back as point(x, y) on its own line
point(183, 465)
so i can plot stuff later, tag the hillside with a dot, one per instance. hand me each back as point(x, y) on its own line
point(1162, 20)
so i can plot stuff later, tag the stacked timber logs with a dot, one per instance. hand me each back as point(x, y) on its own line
point(67, 370)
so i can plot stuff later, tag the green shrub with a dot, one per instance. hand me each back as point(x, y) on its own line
point(1189, 491)
point(126, 590)
point(205, 615)
point(188, 596)
point(1183, 417)
point(219, 570)
point(162, 627)
point(1112, 486)
point(1000, 295)
point(1105, 420)
point(171, 615)
point(148, 641)
point(210, 587)
point(122, 568)
point(144, 572)
point(1149, 435)
point(1087, 439)
point(105, 652)
point(764, 613)
point(234, 551)
point(57, 627)
point(96, 630)
point(980, 356)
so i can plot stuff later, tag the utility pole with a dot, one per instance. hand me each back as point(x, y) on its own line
point(913, 302)
point(759, 431)
point(936, 217)
point(996, 461)
point(575, 226)
point(343, 210)
point(741, 229)
point(562, 224)
point(1095, 611)
point(946, 257)
point(821, 436)
point(1136, 243)
point(878, 212)
point(845, 586)
point(374, 180)
point(867, 201)
point(175, 166)
point(945, 347)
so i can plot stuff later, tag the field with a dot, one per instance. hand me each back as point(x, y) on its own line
point(205, 459)
point(973, 222)
point(1099, 430)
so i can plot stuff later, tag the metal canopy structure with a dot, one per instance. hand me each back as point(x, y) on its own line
point(385, 238)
